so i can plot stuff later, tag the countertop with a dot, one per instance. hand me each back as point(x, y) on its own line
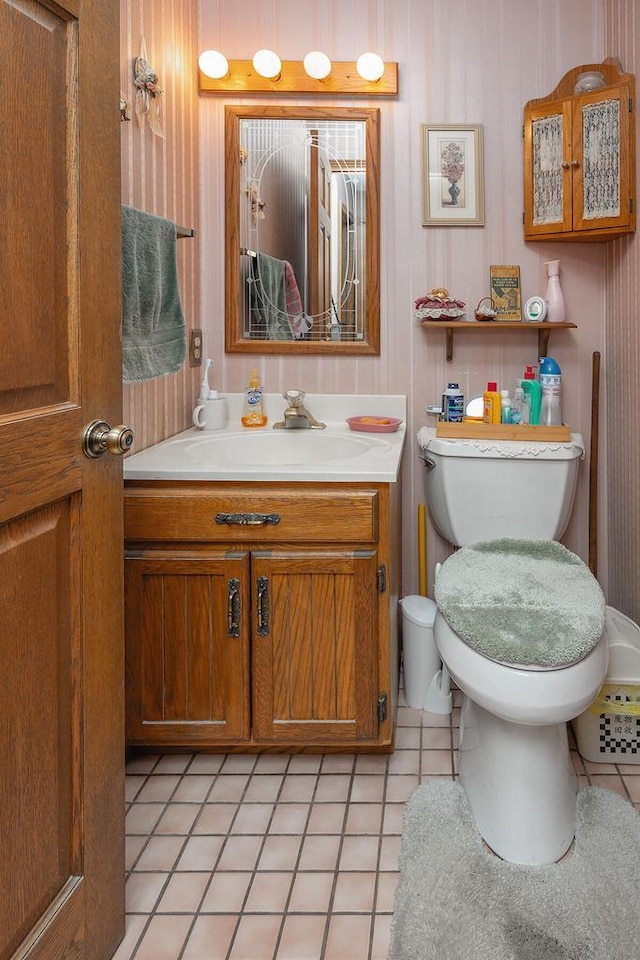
point(373, 457)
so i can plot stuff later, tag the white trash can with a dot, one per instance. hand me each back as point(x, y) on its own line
point(609, 730)
point(425, 685)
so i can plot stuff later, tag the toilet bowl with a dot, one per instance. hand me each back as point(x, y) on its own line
point(499, 600)
point(514, 761)
point(514, 758)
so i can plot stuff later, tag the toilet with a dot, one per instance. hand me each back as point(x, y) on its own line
point(520, 630)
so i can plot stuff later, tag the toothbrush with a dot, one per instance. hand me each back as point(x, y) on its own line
point(204, 383)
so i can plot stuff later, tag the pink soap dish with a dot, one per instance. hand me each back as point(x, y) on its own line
point(374, 424)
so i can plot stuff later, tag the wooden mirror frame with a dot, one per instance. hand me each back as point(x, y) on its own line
point(234, 341)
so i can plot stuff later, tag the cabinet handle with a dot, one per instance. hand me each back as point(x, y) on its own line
point(248, 519)
point(263, 605)
point(565, 165)
point(233, 608)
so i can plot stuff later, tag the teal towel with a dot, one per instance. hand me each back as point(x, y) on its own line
point(269, 305)
point(154, 341)
point(529, 602)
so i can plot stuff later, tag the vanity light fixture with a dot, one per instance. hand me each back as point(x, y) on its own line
point(316, 75)
point(214, 64)
point(268, 64)
point(317, 65)
point(370, 66)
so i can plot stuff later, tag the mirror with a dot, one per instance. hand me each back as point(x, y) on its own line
point(302, 230)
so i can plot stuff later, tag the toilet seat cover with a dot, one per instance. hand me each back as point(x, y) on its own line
point(522, 602)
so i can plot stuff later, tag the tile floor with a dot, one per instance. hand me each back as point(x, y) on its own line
point(278, 857)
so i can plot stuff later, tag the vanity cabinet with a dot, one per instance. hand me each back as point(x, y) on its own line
point(261, 616)
point(579, 159)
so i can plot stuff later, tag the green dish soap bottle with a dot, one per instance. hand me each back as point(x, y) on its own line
point(253, 414)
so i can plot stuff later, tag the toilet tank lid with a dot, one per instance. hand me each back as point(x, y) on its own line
point(498, 449)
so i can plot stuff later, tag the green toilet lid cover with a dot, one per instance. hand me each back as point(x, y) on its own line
point(525, 602)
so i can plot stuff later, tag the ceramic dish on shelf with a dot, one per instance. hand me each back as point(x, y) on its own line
point(374, 424)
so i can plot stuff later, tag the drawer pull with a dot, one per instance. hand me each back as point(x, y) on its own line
point(248, 519)
point(263, 605)
point(233, 608)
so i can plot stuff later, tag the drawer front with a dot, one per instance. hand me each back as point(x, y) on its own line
point(241, 516)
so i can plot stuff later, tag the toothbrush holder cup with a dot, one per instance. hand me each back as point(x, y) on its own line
point(211, 414)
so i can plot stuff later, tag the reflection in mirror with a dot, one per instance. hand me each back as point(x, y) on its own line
point(302, 243)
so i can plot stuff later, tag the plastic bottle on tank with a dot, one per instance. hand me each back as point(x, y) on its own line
point(551, 389)
point(505, 404)
point(453, 404)
point(492, 402)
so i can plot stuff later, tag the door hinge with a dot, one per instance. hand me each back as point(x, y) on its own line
point(630, 105)
point(381, 578)
point(523, 131)
point(382, 707)
point(632, 205)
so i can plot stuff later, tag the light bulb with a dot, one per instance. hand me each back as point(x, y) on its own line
point(370, 66)
point(267, 63)
point(317, 65)
point(213, 64)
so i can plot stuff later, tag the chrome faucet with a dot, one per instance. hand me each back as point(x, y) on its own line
point(296, 415)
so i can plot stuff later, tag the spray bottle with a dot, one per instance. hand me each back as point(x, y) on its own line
point(525, 397)
point(533, 399)
point(551, 387)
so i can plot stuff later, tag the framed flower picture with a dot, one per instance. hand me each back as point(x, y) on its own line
point(452, 175)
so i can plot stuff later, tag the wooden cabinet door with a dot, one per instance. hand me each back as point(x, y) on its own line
point(315, 647)
point(579, 166)
point(548, 151)
point(61, 689)
point(602, 178)
point(187, 655)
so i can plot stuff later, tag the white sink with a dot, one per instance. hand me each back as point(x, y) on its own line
point(275, 448)
point(336, 454)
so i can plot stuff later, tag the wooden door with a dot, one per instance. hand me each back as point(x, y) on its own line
point(187, 651)
point(319, 235)
point(61, 709)
point(315, 647)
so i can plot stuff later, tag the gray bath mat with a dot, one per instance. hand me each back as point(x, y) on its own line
point(457, 901)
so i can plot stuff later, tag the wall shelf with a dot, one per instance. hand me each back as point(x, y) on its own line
point(493, 326)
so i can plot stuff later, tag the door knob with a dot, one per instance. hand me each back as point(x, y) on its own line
point(99, 438)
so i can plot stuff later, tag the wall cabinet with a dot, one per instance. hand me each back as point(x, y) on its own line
point(579, 159)
point(261, 616)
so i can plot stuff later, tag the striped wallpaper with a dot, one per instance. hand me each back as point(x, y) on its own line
point(161, 176)
point(460, 61)
point(621, 365)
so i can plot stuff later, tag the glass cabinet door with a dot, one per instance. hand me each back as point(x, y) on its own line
point(601, 173)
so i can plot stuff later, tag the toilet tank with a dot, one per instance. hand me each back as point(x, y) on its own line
point(486, 489)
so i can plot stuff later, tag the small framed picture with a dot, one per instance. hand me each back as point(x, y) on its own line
point(452, 175)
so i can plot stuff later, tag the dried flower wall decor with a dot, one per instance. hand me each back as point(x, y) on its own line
point(148, 92)
point(452, 175)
